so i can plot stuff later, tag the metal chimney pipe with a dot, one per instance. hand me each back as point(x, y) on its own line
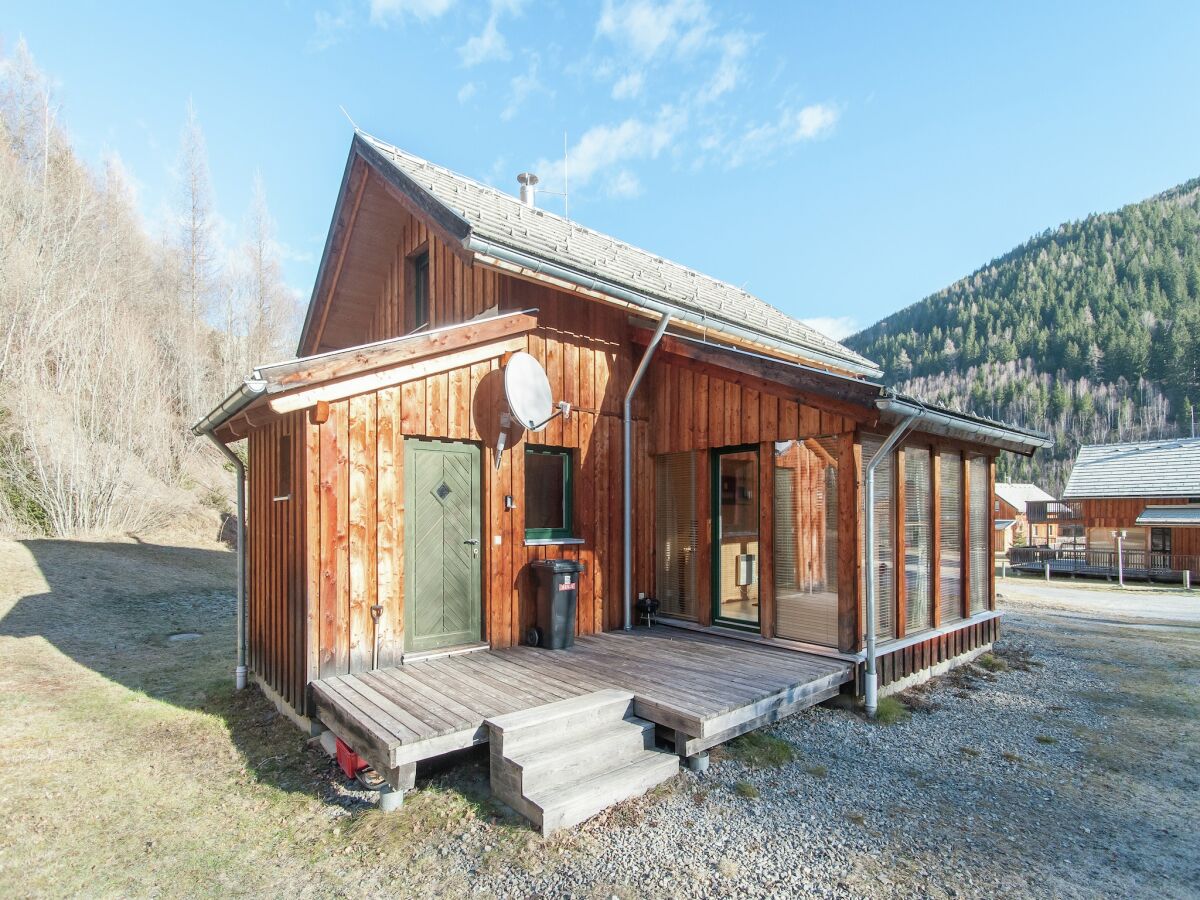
point(528, 182)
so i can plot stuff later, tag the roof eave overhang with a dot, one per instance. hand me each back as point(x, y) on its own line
point(947, 423)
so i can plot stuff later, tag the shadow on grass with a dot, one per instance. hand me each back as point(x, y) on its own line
point(159, 620)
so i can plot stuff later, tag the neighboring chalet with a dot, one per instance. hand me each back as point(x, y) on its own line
point(390, 591)
point(1012, 523)
point(1149, 490)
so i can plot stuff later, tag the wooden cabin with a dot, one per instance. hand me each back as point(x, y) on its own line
point(390, 591)
point(1146, 492)
point(1012, 521)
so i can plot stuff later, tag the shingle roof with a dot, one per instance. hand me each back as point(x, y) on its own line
point(1017, 494)
point(502, 218)
point(1145, 469)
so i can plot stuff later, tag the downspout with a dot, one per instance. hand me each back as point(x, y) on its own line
point(238, 467)
point(912, 414)
point(627, 464)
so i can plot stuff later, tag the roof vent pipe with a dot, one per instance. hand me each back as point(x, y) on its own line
point(528, 182)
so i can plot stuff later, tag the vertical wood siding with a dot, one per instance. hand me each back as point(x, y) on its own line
point(322, 560)
point(358, 495)
point(277, 614)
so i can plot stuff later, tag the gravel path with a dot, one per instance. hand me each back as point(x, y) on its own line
point(1014, 784)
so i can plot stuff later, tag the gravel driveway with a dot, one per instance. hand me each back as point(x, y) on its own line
point(1071, 773)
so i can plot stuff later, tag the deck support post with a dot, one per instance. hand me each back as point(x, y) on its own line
point(400, 780)
point(697, 762)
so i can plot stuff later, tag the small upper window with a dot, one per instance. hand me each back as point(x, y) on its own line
point(283, 468)
point(548, 493)
point(420, 291)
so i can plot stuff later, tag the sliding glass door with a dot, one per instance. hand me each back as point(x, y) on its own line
point(735, 537)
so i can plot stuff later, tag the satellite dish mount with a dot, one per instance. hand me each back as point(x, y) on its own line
point(530, 403)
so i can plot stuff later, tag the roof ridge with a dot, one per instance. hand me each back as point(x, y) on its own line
point(400, 151)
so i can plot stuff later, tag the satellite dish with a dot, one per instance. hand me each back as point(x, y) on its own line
point(528, 391)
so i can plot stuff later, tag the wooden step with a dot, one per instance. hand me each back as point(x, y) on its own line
point(581, 754)
point(526, 727)
point(565, 805)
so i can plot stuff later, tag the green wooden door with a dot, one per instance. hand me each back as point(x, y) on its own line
point(441, 544)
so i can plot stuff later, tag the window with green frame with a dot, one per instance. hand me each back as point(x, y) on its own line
point(549, 491)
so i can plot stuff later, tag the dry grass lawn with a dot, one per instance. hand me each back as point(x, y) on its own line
point(131, 767)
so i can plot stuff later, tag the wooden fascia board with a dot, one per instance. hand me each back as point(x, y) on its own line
point(448, 225)
point(353, 184)
point(372, 381)
point(392, 353)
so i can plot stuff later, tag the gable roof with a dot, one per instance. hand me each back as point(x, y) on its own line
point(1017, 494)
point(1143, 469)
point(488, 220)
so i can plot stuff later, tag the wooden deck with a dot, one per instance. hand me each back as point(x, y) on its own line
point(705, 688)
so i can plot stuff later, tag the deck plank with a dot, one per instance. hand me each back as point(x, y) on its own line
point(703, 685)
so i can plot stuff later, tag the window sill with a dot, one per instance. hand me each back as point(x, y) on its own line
point(552, 542)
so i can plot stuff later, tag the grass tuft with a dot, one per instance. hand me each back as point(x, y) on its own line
point(972, 752)
point(1046, 739)
point(761, 751)
point(1009, 756)
point(890, 711)
point(857, 818)
point(745, 789)
point(991, 662)
point(817, 771)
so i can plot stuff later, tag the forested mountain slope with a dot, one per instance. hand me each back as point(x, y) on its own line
point(1090, 331)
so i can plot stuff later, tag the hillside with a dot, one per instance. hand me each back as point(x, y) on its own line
point(1090, 331)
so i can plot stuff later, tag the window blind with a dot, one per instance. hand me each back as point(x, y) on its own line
point(918, 562)
point(952, 537)
point(676, 534)
point(885, 571)
point(978, 534)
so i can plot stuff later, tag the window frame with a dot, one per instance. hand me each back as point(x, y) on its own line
point(419, 300)
point(1159, 533)
point(283, 468)
point(567, 532)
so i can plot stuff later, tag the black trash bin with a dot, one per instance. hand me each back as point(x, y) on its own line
point(557, 595)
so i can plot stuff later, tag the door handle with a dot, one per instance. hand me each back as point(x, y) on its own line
point(471, 541)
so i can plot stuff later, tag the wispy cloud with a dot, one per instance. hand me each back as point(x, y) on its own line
point(490, 45)
point(729, 72)
point(624, 184)
point(329, 28)
point(382, 11)
point(603, 152)
point(522, 87)
point(466, 92)
point(836, 327)
point(647, 28)
point(793, 126)
point(628, 86)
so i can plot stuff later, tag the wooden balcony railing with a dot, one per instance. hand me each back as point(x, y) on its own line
point(1053, 512)
point(1142, 564)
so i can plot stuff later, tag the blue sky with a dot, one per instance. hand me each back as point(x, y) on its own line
point(839, 160)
